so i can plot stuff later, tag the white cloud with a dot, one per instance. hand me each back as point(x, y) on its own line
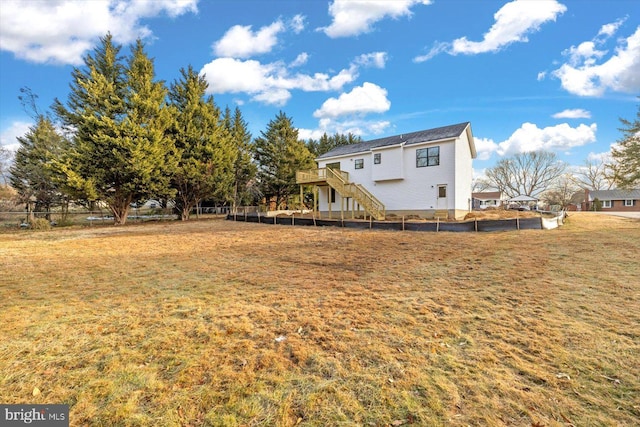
point(351, 18)
point(599, 157)
point(485, 147)
point(513, 22)
point(583, 75)
point(562, 137)
point(529, 137)
point(368, 98)
point(272, 83)
point(577, 113)
point(541, 75)
point(355, 126)
point(268, 83)
point(8, 137)
point(373, 59)
point(61, 31)
point(300, 60)
point(297, 23)
point(240, 42)
point(608, 30)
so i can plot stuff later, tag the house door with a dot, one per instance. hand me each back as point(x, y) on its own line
point(442, 197)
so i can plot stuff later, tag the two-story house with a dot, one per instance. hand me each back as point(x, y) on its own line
point(426, 173)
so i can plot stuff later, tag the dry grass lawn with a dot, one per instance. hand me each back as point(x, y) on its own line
point(239, 324)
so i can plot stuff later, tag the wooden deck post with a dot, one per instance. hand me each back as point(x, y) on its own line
point(329, 200)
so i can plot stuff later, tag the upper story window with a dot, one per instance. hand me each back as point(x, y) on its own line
point(427, 157)
point(358, 163)
point(377, 158)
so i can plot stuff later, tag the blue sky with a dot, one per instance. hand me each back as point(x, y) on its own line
point(527, 74)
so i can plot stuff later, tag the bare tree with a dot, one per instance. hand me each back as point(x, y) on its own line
point(5, 156)
point(527, 174)
point(480, 184)
point(594, 175)
point(562, 191)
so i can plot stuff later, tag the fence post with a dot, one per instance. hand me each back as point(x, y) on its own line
point(402, 222)
point(476, 224)
point(437, 224)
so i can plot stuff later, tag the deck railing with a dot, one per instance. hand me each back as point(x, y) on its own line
point(339, 180)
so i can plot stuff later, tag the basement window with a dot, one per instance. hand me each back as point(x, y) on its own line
point(358, 163)
point(427, 157)
point(377, 158)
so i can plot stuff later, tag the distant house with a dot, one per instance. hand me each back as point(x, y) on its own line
point(614, 200)
point(426, 173)
point(486, 199)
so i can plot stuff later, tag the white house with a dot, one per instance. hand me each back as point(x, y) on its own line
point(425, 173)
point(487, 199)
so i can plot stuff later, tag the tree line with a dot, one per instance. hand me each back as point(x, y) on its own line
point(124, 137)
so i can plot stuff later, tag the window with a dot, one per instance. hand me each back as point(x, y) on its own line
point(333, 196)
point(442, 191)
point(427, 157)
point(359, 163)
point(628, 202)
point(377, 158)
point(606, 203)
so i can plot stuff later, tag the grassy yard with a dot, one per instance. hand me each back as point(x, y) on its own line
point(237, 324)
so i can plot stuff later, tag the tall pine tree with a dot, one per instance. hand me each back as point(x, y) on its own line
point(205, 150)
point(244, 168)
point(118, 115)
point(30, 173)
point(280, 154)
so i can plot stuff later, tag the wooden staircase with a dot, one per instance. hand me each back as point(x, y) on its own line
point(339, 181)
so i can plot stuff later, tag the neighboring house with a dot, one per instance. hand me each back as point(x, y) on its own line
point(486, 199)
point(614, 200)
point(426, 173)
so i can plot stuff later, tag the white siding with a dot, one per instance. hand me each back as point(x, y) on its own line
point(391, 163)
point(464, 173)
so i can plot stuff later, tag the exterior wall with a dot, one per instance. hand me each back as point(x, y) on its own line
point(463, 173)
point(618, 206)
point(391, 164)
point(409, 189)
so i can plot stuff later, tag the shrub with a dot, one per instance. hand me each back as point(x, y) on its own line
point(41, 224)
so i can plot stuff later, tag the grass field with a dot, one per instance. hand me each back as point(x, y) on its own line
point(237, 324)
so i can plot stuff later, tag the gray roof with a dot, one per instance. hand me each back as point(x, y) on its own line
point(523, 198)
point(487, 195)
point(615, 194)
point(445, 132)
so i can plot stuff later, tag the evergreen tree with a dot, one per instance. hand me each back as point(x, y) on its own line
point(205, 149)
point(327, 143)
point(280, 154)
point(244, 168)
point(118, 115)
point(30, 174)
point(626, 156)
